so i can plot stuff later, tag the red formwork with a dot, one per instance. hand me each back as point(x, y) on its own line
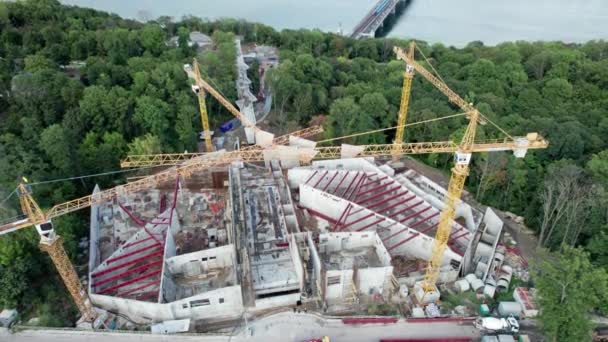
point(439, 339)
point(126, 273)
point(320, 179)
point(361, 201)
point(362, 218)
point(440, 319)
point(370, 320)
point(416, 214)
point(340, 183)
point(416, 224)
point(402, 242)
point(378, 187)
point(330, 181)
point(357, 187)
point(347, 189)
point(388, 199)
point(129, 282)
point(374, 181)
point(137, 251)
point(140, 287)
point(128, 263)
point(311, 177)
point(371, 224)
point(343, 216)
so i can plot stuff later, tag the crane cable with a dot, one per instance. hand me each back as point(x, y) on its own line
point(429, 63)
point(91, 175)
point(394, 127)
point(439, 76)
point(8, 197)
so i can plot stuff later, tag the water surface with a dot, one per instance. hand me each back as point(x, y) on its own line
point(452, 22)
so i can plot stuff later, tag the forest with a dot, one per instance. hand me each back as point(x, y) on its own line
point(80, 89)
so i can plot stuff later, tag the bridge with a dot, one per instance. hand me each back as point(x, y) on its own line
point(375, 18)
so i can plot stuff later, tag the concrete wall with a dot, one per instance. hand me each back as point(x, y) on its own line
point(316, 261)
point(168, 289)
point(203, 306)
point(352, 164)
point(333, 242)
point(368, 280)
point(275, 301)
point(337, 290)
point(374, 279)
point(297, 261)
point(493, 223)
point(381, 251)
point(297, 176)
point(493, 230)
point(219, 257)
point(94, 255)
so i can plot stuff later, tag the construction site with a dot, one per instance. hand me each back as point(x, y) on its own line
point(280, 223)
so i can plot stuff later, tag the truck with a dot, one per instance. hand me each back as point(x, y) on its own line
point(495, 325)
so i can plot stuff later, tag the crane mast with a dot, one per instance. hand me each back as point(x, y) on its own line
point(408, 75)
point(460, 171)
point(202, 106)
point(52, 244)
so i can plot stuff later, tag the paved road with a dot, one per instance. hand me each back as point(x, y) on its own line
point(284, 327)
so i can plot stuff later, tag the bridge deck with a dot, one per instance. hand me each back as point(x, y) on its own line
point(374, 18)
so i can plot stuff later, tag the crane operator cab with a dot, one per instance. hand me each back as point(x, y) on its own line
point(46, 231)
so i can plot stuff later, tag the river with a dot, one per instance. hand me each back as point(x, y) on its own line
point(451, 22)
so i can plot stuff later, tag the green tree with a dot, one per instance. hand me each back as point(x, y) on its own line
point(186, 114)
point(102, 153)
point(153, 39)
point(569, 287)
point(153, 115)
point(55, 142)
point(36, 63)
point(376, 106)
point(147, 144)
point(598, 166)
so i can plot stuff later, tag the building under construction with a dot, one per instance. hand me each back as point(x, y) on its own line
point(283, 224)
point(245, 239)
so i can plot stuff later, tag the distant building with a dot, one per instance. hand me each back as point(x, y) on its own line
point(202, 40)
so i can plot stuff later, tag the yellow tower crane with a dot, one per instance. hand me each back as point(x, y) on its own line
point(203, 86)
point(462, 157)
point(202, 106)
point(52, 243)
point(408, 75)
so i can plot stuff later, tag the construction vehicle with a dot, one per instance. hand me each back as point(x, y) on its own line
point(495, 325)
point(322, 339)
